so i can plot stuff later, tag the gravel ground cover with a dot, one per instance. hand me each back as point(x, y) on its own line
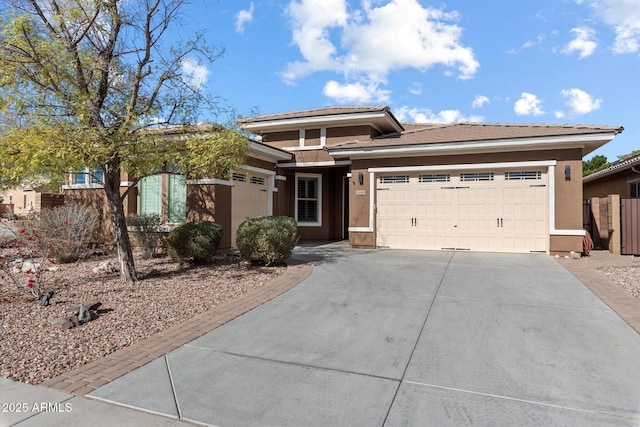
point(627, 277)
point(32, 350)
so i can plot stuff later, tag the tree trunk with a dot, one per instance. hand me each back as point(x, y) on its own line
point(118, 220)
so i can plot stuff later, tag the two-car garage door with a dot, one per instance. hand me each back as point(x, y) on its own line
point(497, 210)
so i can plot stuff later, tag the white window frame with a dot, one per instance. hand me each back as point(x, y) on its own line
point(319, 198)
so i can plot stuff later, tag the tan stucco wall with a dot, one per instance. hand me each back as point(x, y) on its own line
point(568, 200)
point(562, 245)
point(359, 203)
point(24, 201)
point(211, 203)
point(361, 240)
point(282, 139)
point(312, 136)
point(568, 194)
point(612, 184)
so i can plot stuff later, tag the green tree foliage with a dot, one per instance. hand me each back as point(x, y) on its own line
point(595, 164)
point(634, 153)
point(86, 83)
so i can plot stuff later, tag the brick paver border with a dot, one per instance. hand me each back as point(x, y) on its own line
point(89, 377)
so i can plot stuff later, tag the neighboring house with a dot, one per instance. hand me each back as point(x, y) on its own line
point(612, 207)
point(26, 200)
point(622, 177)
point(357, 173)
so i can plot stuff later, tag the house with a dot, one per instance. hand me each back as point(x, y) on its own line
point(357, 173)
point(251, 192)
point(622, 177)
point(24, 200)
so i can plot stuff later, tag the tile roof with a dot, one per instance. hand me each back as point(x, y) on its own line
point(417, 134)
point(618, 166)
point(316, 112)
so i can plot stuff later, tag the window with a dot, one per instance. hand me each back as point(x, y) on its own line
point(309, 199)
point(634, 190)
point(240, 177)
point(478, 176)
point(394, 179)
point(84, 177)
point(442, 177)
point(168, 201)
point(529, 175)
point(257, 180)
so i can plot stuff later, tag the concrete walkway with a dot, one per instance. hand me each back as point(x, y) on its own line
point(391, 338)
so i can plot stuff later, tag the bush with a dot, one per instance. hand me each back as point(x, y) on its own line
point(67, 229)
point(196, 240)
point(268, 239)
point(144, 229)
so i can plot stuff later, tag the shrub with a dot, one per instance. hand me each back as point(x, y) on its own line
point(67, 229)
point(197, 240)
point(144, 230)
point(267, 239)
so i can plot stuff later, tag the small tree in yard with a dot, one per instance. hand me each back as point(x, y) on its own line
point(89, 83)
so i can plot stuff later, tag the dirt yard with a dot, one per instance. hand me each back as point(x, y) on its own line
point(32, 350)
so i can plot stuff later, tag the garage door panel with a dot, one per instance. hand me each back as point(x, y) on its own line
point(476, 213)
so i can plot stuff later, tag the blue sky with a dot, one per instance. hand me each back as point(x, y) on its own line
point(544, 61)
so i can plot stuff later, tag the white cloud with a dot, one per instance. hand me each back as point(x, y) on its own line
point(528, 44)
point(559, 114)
point(479, 101)
point(580, 101)
point(367, 44)
point(425, 115)
point(415, 88)
point(583, 42)
point(624, 17)
point(195, 74)
point(355, 92)
point(527, 105)
point(243, 17)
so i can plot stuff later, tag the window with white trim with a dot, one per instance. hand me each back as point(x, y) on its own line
point(257, 180)
point(476, 176)
point(168, 200)
point(240, 177)
point(86, 176)
point(440, 177)
point(308, 207)
point(522, 175)
point(394, 179)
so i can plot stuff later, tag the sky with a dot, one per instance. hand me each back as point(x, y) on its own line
point(543, 61)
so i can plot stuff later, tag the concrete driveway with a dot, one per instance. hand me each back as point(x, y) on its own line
point(406, 338)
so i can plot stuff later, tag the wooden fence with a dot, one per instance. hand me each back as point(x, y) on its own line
point(630, 226)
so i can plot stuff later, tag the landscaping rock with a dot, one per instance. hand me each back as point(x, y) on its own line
point(66, 323)
point(30, 266)
point(105, 267)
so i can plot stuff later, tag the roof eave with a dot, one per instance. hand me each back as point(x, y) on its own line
point(369, 117)
point(587, 143)
point(611, 171)
point(261, 151)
